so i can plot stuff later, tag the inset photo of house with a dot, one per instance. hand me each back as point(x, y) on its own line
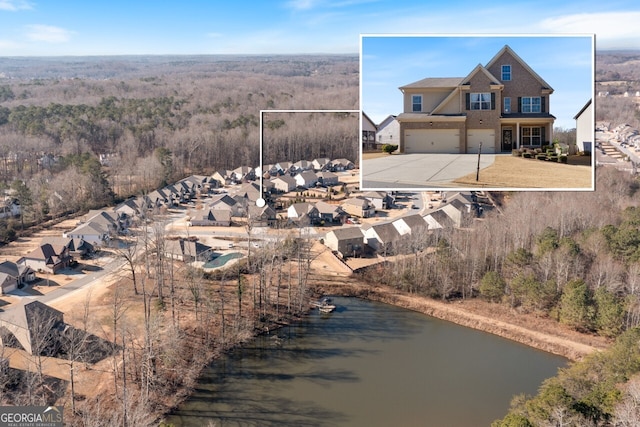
point(494, 112)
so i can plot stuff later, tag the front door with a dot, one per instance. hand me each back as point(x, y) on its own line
point(507, 139)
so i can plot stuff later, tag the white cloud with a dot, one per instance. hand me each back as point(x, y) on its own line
point(302, 4)
point(613, 29)
point(14, 5)
point(48, 33)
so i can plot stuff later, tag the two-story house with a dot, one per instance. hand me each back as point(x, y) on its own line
point(502, 105)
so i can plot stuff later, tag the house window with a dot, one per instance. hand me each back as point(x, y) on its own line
point(480, 101)
point(507, 105)
point(416, 103)
point(531, 104)
point(531, 135)
point(506, 72)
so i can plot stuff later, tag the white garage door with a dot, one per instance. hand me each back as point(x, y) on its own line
point(486, 136)
point(432, 141)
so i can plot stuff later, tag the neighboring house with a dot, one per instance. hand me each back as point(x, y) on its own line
point(302, 165)
point(187, 250)
point(380, 199)
point(225, 202)
point(156, 199)
point(10, 208)
point(249, 191)
point(299, 211)
point(284, 168)
point(438, 219)
point(369, 130)
point(388, 132)
point(359, 206)
point(284, 183)
point(327, 178)
point(75, 247)
point(212, 217)
point(91, 232)
point(347, 241)
point(243, 173)
point(584, 127)
point(339, 165)
point(222, 177)
point(12, 275)
point(503, 105)
point(261, 216)
point(381, 237)
point(45, 258)
point(306, 179)
point(330, 213)
point(321, 164)
point(130, 209)
point(27, 322)
point(410, 224)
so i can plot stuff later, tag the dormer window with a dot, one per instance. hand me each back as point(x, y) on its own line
point(416, 103)
point(506, 73)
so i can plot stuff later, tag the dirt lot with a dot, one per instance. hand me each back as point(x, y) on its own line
point(509, 172)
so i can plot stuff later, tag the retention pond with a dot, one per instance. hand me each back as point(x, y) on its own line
point(367, 364)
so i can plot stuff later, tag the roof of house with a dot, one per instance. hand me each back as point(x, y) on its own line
point(582, 110)
point(435, 82)
point(185, 247)
point(221, 215)
point(347, 233)
point(414, 221)
point(324, 207)
point(386, 232)
point(507, 49)
point(291, 181)
point(303, 208)
point(307, 175)
point(358, 201)
point(442, 218)
point(90, 229)
point(12, 269)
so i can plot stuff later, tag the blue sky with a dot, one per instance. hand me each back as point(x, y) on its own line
point(73, 27)
point(117, 27)
point(388, 62)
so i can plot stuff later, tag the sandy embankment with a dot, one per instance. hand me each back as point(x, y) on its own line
point(537, 332)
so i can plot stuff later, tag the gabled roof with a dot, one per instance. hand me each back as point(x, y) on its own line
point(44, 252)
point(327, 208)
point(347, 233)
point(507, 49)
point(414, 221)
point(358, 201)
point(303, 208)
point(435, 82)
point(582, 110)
point(386, 232)
point(480, 68)
point(217, 215)
point(367, 118)
point(387, 121)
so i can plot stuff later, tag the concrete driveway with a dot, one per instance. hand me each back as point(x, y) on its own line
point(420, 171)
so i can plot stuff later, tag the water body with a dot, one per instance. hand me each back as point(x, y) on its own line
point(367, 364)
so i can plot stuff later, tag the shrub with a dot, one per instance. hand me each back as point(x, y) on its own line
point(563, 159)
point(516, 153)
point(526, 155)
point(541, 156)
point(389, 148)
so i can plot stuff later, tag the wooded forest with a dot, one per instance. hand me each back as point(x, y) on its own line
point(159, 119)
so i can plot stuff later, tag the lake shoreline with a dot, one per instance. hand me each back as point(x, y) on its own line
point(565, 344)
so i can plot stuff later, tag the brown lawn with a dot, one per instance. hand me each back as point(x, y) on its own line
point(509, 172)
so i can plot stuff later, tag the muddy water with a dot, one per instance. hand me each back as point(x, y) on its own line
point(367, 364)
